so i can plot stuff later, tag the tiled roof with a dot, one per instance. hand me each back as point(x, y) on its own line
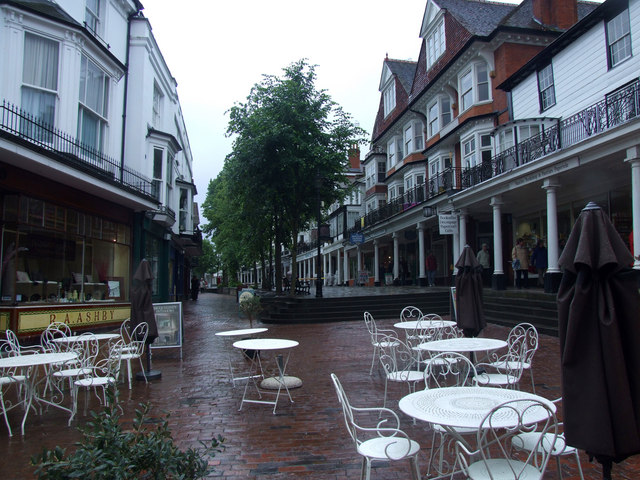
point(478, 17)
point(405, 71)
point(45, 7)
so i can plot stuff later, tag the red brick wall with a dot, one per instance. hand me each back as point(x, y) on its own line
point(560, 13)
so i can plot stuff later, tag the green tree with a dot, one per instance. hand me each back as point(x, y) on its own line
point(287, 135)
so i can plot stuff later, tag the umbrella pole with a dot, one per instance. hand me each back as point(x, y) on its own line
point(606, 470)
point(148, 374)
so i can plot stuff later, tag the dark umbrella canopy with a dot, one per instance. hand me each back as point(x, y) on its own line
point(141, 301)
point(469, 310)
point(599, 330)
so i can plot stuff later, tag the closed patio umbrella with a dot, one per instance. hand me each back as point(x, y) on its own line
point(469, 309)
point(142, 310)
point(599, 330)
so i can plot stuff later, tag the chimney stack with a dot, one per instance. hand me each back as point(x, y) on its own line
point(556, 13)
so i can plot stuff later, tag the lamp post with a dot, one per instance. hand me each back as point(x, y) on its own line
point(318, 258)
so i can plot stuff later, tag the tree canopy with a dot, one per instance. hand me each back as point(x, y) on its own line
point(290, 150)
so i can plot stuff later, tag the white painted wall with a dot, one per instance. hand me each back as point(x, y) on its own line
point(580, 73)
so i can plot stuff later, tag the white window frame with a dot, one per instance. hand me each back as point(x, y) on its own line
point(443, 114)
point(469, 149)
point(371, 174)
point(413, 141)
point(93, 16)
point(474, 77)
point(546, 88)
point(157, 106)
point(391, 152)
point(389, 97)
point(505, 140)
point(400, 153)
point(527, 131)
point(93, 109)
point(618, 33)
point(435, 43)
point(39, 85)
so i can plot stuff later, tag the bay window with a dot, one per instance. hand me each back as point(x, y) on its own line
point(413, 141)
point(474, 85)
point(39, 82)
point(438, 114)
point(94, 98)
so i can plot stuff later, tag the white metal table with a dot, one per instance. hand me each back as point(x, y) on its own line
point(84, 338)
point(412, 324)
point(239, 333)
point(28, 363)
point(265, 344)
point(462, 345)
point(460, 409)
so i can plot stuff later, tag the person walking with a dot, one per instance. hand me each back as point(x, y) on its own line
point(520, 264)
point(195, 287)
point(432, 267)
point(484, 259)
point(540, 261)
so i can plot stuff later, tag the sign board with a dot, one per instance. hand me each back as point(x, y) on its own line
point(363, 277)
point(169, 321)
point(356, 238)
point(448, 223)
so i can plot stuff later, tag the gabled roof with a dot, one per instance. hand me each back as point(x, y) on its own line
point(404, 70)
point(478, 17)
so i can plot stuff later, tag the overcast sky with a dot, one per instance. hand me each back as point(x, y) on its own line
point(217, 50)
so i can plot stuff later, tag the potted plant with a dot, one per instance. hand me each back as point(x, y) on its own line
point(250, 306)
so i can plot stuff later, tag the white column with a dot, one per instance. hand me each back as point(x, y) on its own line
point(456, 247)
point(376, 262)
point(551, 185)
point(421, 257)
point(498, 265)
point(396, 255)
point(338, 269)
point(462, 222)
point(633, 157)
point(346, 266)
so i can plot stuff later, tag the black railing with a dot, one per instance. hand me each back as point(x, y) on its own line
point(616, 109)
point(24, 127)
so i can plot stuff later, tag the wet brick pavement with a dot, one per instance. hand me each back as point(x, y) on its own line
point(306, 439)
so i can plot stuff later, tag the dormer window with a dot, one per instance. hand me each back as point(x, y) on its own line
point(389, 97)
point(435, 43)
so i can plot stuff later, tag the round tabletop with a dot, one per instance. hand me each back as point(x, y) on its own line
point(466, 407)
point(86, 337)
point(265, 344)
point(463, 345)
point(36, 359)
point(412, 324)
point(243, 331)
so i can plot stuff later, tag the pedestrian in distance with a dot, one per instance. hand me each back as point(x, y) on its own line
point(539, 260)
point(484, 259)
point(432, 268)
point(520, 263)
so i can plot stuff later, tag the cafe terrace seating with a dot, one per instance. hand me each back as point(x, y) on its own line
point(496, 458)
point(377, 435)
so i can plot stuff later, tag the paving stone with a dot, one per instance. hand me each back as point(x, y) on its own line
point(305, 439)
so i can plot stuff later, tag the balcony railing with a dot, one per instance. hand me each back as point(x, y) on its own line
point(20, 126)
point(616, 109)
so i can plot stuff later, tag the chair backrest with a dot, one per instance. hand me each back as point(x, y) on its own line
point(370, 323)
point(125, 330)
point(507, 420)
point(60, 326)
point(47, 338)
point(109, 366)
point(410, 313)
point(347, 412)
point(87, 347)
point(450, 331)
point(6, 350)
point(396, 355)
point(530, 339)
point(139, 337)
point(449, 369)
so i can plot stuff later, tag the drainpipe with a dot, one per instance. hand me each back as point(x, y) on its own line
point(126, 90)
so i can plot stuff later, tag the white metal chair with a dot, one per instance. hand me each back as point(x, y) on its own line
point(495, 458)
point(9, 377)
point(530, 343)
point(507, 370)
point(16, 348)
point(410, 313)
point(399, 363)
point(87, 348)
point(377, 336)
point(135, 348)
point(559, 448)
point(383, 440)
point(447, 369)
point(103, 374)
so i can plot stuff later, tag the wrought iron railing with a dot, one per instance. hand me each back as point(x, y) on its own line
point(616, 109)
point(23, 127)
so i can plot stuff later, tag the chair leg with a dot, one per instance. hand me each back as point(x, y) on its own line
point(579, 465)
point(4, 411)
point(373, 359)
point(129, 372)
point(143, 370)
point(533, 385)
point(415, 470)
